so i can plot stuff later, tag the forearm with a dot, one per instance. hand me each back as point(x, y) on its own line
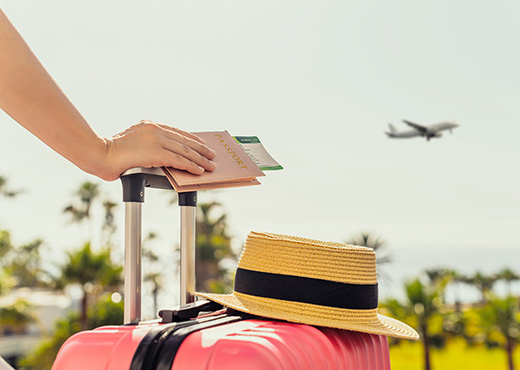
point(30, 96)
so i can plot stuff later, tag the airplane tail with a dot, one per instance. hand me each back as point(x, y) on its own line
point(392, 128)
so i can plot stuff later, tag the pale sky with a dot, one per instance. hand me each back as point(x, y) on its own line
point(317, 82)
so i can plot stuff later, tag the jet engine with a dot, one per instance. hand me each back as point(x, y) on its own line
point(435, 134)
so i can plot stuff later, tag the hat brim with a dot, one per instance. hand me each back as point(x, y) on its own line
point(367, 321)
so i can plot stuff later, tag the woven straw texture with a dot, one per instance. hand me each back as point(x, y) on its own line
point(309, 258)
point(280, 254)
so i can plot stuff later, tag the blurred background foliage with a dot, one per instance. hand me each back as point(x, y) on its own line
point(449, 330)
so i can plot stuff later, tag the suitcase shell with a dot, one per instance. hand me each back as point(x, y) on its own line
point(253, 343)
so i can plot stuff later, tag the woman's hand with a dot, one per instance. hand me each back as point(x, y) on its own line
point(149, 144)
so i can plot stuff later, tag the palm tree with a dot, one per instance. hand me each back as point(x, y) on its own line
point(16, 316)
point(370, 240)
point(5, 236)
point(21, 264)
point(5, 191)
point(156, 280)
point(500, 316)
point(26, 265)
point(379, 245)
point(508, 276)
point(152, 276)
point(109, 225)
point(440, 278)
point(90, 270)
point(484, 283)
point(457, 279)
point(424, 303)
point(5, 244)
point(7, 282)
point(421, 307)
point(79, 210)
point(213, 247)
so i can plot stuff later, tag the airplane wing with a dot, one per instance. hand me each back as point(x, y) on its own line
point(421, 129)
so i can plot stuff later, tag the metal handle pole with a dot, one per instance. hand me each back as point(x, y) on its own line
point(132, 291)
point(187, 203)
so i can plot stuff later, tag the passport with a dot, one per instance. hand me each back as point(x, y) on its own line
point(234, 167)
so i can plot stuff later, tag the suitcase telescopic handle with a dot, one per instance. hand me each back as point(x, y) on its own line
point(134, 182)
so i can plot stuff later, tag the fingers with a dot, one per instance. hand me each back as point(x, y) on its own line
point(185, 138)
point(174, 130)
point(182, 163)
point(162, 145)
point(183, 145)
point(186, 150)
point(181, 132)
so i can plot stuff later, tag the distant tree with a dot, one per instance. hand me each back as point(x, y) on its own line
point(440, 277)
point(457, 279)
point(19, 266)
point(82, 203)
point(104, 312)
point(420, 309)
point(45, 353)
point(109, 224)
point(79, 209)
point(22, 264)
point(16, 316)
point(7, 282)
point(484, 283)
point(379, 245)
point(91, 271)
point(26, 265)
point(499, 322)
point(5, 190)
point(509, 276)
point(213, 247)
point(370, 240)
point(152, 276)
point(5, 244)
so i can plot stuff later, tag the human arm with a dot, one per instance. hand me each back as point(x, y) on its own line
point(31, 97)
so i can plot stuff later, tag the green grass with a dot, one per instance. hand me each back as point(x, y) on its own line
point(456, 356)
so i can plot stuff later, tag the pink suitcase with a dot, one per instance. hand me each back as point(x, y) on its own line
point(221, 340)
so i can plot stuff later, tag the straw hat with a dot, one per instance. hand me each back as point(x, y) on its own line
point(312, 282)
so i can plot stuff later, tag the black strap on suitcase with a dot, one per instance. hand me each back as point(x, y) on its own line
point(158, 348)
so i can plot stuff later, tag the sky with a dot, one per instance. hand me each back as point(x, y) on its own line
point(318, 82)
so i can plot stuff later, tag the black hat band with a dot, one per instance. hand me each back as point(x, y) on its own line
point(306, 290)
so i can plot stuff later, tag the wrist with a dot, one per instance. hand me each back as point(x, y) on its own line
point(94, 157)
point(103, 163)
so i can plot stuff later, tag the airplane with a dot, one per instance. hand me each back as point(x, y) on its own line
point(420, 130)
